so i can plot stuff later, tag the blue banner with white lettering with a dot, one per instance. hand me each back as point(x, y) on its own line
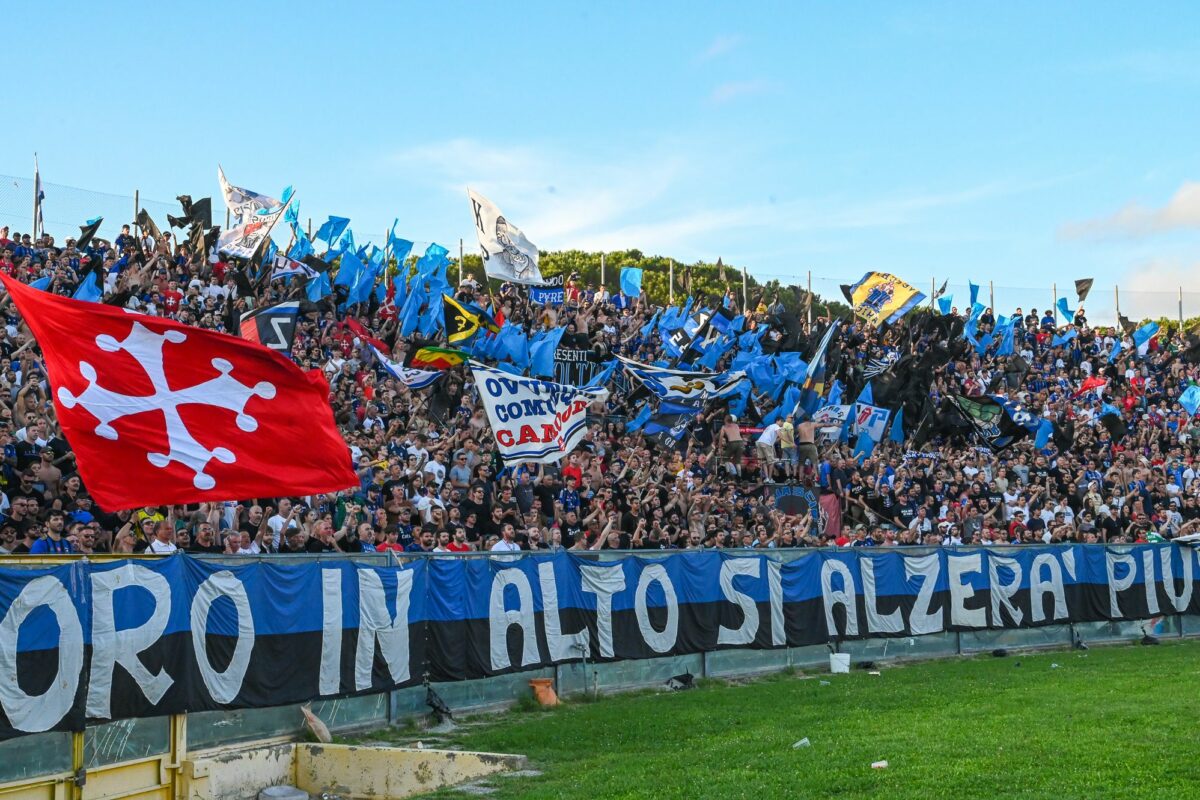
point(89, 642)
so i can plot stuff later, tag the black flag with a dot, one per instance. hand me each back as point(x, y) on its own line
point(992, 421)
point(147, 224)
point(185, 201)
point(87, 232)
point(1115, 425)
point(1082, 287)
point(198, 213)
point(273, 326)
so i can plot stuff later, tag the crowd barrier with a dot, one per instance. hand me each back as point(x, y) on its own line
point(143, 739)
point(88, 642)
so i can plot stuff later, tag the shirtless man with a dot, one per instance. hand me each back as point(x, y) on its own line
point(806, 443)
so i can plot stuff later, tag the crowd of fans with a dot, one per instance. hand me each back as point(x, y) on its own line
point(431, 481)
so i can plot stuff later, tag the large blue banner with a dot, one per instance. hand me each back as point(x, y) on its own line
point(84, 641)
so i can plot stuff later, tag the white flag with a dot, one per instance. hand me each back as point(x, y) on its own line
point(243, 241)
point(534, 421)
point(507, 254)
point(243, 203)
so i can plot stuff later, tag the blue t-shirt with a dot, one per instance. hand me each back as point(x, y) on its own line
point(48, 545)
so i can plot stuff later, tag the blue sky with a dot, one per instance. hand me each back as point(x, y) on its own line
point(1017, 142)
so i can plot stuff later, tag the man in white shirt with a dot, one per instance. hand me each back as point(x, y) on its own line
point(283, 519)
point(765, 447)
point(506, 543)
point(163, 543)
point(436, 469)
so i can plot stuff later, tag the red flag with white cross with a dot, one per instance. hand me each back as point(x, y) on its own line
point(159, 412)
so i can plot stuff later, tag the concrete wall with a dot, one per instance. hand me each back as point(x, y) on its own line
point(391, 772)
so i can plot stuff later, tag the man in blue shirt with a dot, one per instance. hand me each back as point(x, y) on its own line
point(53, 542)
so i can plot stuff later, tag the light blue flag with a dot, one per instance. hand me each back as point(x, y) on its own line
point(631, 281)
point(790, 398)
point(434, 262)
point(1067, 313)
point(601, 378)
point(512, 344)
point(835, 394)
point(291, 216)
point(1006, 339)
point(401, 249)
point(42, 283)
point(945, 302)
point(89, 289)
point(762, 373)
point(643, 416)
point(349, 272)
point(541, 352)
point(332, 230)
point(977, 310)
point(741, 396)
point(301, 248)
point(648, 328)
point(1060, 340)
point(1144, 333)
point(318, 287)
point(863, 447)
point(867, 395)
point(1190, 399)
point(897, 432)
point(360, 292)
point(974, 293)
point(712, 356)
point(1116, 351)
point(1044, 432)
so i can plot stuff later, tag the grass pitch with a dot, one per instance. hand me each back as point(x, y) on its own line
point(1115, 722)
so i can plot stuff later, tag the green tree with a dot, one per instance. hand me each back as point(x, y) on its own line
point(702, 280)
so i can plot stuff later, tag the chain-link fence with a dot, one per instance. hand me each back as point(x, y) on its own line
point(1101, 307)
point(65, 208)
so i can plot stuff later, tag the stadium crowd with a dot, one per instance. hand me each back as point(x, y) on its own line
point(431, 480)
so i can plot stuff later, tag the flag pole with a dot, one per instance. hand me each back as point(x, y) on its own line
point(1054, 303)
point(1117, 300)
point(992, 297)
point(309, 228)
point(932, 292)
point(602, 269)
point(136, 203)
point(745, 296)
point(809, 300)
point(671, 282)
point(1181, 309)
point(460, 260)
point(36, 200)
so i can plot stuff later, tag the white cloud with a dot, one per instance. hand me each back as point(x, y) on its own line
point(668, 197)
point(1150, 289)
point(732, 90)
point(722, 45)
point(1182, 211)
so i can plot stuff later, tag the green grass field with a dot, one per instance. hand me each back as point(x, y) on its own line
point(1115, 722)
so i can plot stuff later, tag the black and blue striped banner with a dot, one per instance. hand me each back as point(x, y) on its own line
point(88, 642)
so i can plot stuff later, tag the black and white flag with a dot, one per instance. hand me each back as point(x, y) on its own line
point(244, 204)
point(507, 254)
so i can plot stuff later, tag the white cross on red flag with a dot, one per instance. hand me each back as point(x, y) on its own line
point(159, 412)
